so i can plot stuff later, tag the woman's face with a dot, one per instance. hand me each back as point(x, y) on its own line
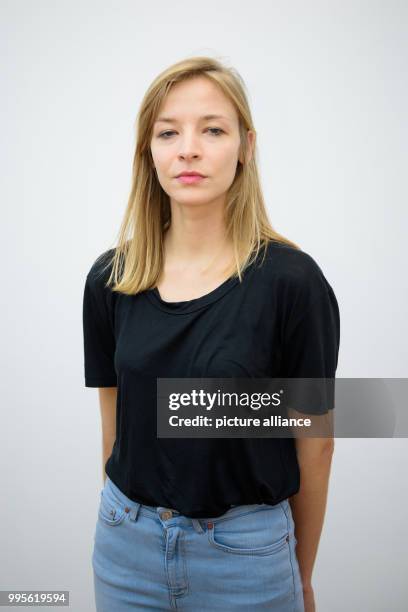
point(187, 141)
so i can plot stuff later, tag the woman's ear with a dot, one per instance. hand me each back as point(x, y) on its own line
point(250, 144)
point(251, 136)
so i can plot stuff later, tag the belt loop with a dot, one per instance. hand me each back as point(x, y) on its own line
point(134, 511)
point(197, 526)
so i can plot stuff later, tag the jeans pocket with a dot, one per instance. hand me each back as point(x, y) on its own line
point(259, 532)
point(110, 510)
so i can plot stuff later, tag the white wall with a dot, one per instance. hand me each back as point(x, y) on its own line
point(327, 88)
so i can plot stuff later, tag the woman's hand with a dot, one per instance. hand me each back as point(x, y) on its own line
point(308, 599)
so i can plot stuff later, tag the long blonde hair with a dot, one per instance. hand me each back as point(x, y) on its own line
point(138, 258)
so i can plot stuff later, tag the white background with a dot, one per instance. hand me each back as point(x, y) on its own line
point(327, 88)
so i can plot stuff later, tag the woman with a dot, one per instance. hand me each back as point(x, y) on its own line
point(200, 285)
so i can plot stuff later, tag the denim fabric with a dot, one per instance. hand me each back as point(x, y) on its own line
point(154, 558)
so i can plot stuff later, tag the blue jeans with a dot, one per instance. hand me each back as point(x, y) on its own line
point(154, 558)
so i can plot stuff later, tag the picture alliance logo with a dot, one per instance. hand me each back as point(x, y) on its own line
point(207, 400)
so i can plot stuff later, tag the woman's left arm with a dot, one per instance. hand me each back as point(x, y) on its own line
point(309, 504)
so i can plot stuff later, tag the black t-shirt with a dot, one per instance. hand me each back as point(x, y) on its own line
point(281, 321)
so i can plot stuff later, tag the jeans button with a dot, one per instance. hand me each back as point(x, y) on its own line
point(167, 514)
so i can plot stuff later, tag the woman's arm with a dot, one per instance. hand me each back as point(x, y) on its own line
point(309, 504)
point(107, 401)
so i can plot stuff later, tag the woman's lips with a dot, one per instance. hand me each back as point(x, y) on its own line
point(190, 179)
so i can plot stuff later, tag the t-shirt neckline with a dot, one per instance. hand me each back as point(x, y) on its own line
point(187, 306)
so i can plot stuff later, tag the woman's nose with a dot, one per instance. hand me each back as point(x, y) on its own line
point(189, 147)
point(188, 156)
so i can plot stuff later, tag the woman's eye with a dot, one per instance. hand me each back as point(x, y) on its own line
point(218, 130)
point(213, 130)
point(164, 134)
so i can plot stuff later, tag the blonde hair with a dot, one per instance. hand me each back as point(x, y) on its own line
point(138, 258)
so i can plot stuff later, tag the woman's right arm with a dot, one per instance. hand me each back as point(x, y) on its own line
point(107, 401)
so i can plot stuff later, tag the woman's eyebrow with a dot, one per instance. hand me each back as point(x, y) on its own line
point(203, 118)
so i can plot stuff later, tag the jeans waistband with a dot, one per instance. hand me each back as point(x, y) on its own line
point(171, 516)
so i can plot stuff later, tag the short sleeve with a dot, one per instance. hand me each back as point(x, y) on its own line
point(312, 341)
point(98, 328)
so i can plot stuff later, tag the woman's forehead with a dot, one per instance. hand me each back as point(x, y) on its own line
point(197, 99)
